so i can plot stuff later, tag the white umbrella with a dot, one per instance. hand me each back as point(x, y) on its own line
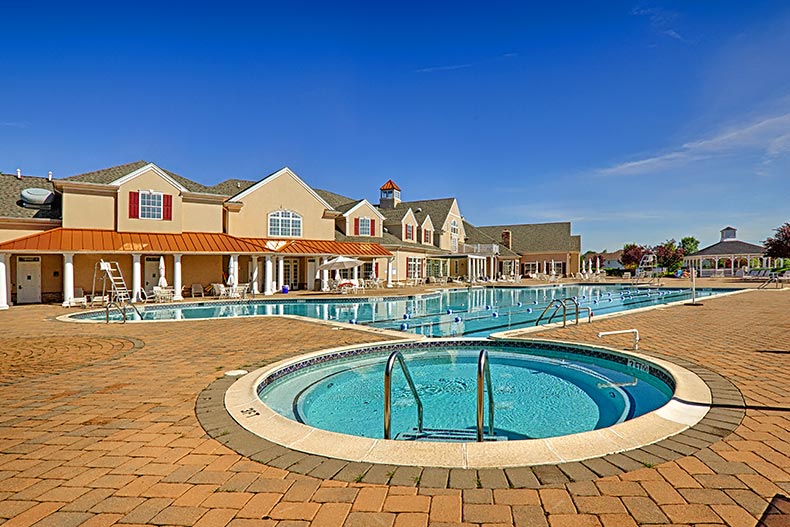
point(584, 266)
point(597, 264)
point(340, 262)
point(230, 271)
point(162, 279)
point(552, 267)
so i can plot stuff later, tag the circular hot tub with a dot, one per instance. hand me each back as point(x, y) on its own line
point(552, 402)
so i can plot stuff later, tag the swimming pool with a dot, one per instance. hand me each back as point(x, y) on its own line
point(287, 416)
point(469, 312)
point(538, 391)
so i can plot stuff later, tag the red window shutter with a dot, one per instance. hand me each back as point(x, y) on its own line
point(167, 207)
point(134, 204)
point(372, 227)
point(376, 269)
point(356, 226)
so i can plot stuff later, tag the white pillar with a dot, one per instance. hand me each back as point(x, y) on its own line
point(137, 274)
point(389, 272)
point(177, 277)
point(255, 287)
point(234, 258)
point(4, 296)
point(267, 275)
point(280, 273)
point(7, 259)
point(324, 275)
point(355, 273)
point(68, 278)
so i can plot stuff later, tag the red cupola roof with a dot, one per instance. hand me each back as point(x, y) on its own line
point(390, 185)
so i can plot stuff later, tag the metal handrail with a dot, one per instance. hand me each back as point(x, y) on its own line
point(116, 306)
point(397, 355)
point(484, 372)
point(554, 303)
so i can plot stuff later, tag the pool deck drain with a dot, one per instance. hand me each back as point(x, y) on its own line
point(99, 427)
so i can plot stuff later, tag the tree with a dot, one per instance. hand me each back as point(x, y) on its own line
point(632, 254)
point(669, 255)
point(689, 244)
point(778, 246)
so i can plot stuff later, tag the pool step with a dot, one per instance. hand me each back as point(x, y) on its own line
point(445, 434)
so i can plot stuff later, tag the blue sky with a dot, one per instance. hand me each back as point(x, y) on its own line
point(636, 121)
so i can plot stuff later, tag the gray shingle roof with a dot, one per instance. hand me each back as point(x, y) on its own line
point(10, 203)
point(230, 187)
point(389, 240)
point(106, 176)
point(730, 247)
point(475, 235)
point(437, 209)
point(537, 237)
point(337, 201)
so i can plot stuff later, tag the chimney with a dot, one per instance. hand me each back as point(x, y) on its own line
point(19, 173)
point(507, 238)
point(49, 176)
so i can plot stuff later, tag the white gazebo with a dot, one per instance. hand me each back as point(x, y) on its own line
point(732, 253)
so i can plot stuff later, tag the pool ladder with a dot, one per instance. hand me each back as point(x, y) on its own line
point(557, 304)
point(483, 383)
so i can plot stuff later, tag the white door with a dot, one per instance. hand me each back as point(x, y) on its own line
point(291, 272)
point(311, 274)
point(150, 273)
point(28, 279)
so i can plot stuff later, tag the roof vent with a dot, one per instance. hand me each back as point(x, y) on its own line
point(386, 229)
point(19, 173)
point(37, 198)
point(419, 209)
point(49, 176)
point(238, 185)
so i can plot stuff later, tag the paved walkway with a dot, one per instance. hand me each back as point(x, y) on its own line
point(98, 428)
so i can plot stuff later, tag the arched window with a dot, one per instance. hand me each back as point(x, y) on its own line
point(284, 223)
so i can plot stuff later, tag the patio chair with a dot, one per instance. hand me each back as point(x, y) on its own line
point(197, 289)
point(79, 298)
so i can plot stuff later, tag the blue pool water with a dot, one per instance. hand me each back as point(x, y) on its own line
point(474, 311)
point(538, 392)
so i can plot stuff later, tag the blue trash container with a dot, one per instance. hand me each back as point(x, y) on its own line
point(285, 289)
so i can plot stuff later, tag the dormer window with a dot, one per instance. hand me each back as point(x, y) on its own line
point(286, 224)
point(409, 231)
point(364, 227)
point(150, 205)
point(426, 236)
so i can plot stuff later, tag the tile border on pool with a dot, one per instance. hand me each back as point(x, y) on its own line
point(376, 467)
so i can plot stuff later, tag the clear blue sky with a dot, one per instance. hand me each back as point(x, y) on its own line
point(636, 121)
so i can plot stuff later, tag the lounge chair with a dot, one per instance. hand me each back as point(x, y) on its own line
point(79, 298)
point(163, 294)
point(197, 289)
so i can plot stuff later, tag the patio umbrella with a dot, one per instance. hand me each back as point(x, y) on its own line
point(230, 271)
point(338, 263)
point(597, 264)
point(552, 267)
point(584, 266)
point(162, 279)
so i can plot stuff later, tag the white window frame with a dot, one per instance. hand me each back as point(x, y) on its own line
point(454, 232)
point(413, 267)
point(149, 210)
point(364, 227)
point(288, 224)
point(409, 234)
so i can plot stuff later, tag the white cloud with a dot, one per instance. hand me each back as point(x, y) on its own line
point(767, 136)
point(662, 21)
point(451, 67)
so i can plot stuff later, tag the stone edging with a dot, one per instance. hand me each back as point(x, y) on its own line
point(726, 413)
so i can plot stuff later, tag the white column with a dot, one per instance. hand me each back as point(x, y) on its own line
point(234, 258)
point(7, 259)
point(389, 272)
point(137, 274)
point(324, 275)
point(177, 277)
point(280, 273)
point(4, 296)
point(255, 287)
point(267, 275)
point(68, 278)
point(355, 273)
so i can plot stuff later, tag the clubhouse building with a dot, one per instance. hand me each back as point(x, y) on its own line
point(270, 233)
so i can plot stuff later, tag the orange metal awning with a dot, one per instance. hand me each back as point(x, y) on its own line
point(327, 247)
point(62, 240)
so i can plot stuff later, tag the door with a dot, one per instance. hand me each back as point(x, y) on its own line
point(150, 273)
point(28, 279)
point(311, 271)
point(291, 273)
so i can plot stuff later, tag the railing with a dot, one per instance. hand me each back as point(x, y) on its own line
point(634, 331)
point(557, 304)
point(398, 356)
point(480, 248)
point(116, 306)
point(484, 374)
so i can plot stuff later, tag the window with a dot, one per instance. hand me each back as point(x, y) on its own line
point(285, 223)
point(426, 236)
point(409, 231)
point(150, 205)
point(454, 236)
point(454, 227)
point(414, 267)
point(364, 227)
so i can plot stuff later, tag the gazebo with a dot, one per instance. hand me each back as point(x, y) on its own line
point(729, 251)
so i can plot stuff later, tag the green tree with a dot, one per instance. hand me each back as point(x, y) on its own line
point(778, 246)
point(689, 244)
point(669, 255)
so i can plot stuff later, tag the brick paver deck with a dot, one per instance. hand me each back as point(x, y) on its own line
point(99, 427)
